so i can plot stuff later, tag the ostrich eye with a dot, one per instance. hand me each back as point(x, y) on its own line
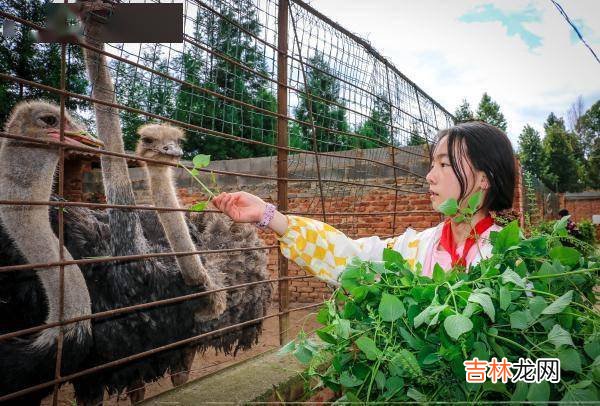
point(50, 120)
point(147, 140)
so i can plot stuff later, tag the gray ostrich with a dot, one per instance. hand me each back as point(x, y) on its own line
point(32, 297)
point(39, 120)
point(25, 301)
point(115, 174)
point(208, 231)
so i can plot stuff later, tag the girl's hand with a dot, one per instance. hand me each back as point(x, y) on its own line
point(242, 207)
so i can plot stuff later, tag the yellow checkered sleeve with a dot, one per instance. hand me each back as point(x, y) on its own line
point(323, 251)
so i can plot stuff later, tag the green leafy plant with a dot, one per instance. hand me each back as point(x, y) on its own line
point(201, 161)
point(587, 231)
point(391, 334)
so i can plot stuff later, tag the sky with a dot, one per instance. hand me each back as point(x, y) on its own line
point(522, 53)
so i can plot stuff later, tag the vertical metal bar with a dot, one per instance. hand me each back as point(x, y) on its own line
point(61, 224)
point(423, 124)
point(310, 112)
point(392, 148)
point(282, 159)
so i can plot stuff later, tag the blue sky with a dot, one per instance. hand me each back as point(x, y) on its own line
point(523, 53)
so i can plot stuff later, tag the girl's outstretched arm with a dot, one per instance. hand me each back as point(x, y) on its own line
point(318, 248)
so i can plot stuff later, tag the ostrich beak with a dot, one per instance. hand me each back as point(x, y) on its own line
point(172, 149)
point(76, 137)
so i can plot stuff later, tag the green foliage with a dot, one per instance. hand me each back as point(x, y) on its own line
point(320, 103)
point(531, 152)
point(201, 161)
point(587, 231)
point(464, 112)
point(489, 111)
point(561, 169)
point(392, 334)
point(589, 133)
point(377, 126)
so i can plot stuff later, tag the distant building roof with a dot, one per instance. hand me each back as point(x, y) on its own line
point(588, 194)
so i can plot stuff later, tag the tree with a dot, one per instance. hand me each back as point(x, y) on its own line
point(21, 56)
point(589, 128)
point(554, 120)
point(320, 103)
point(416, 134)
point(463, 112)
point(489, 111)
point(377, 126)
point(589, 133)
point(221, 76)
point(574, 114)
point(531, 152)
point(593, 169)
point(561, 170)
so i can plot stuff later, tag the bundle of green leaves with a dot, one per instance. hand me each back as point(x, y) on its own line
point(391, 334)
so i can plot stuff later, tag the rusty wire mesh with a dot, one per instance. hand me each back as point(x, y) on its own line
point(254, 78)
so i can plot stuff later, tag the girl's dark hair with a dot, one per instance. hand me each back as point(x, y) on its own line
point(489, 150)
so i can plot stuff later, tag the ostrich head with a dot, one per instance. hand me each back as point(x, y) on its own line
point(41, 120)
point(159, 141)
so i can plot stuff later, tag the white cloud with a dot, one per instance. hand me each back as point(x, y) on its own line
point(452, 60)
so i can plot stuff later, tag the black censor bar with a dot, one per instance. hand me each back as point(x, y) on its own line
point(123, 23)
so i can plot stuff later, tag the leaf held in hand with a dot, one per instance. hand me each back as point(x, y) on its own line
point(199, 206)
point(201, 161)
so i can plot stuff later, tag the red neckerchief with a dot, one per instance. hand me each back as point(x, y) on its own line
point(447, 240)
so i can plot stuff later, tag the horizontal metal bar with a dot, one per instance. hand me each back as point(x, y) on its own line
point(96, 151)
point(136, 257)
point(129, 309)
point(148, 353)
point(159, 208)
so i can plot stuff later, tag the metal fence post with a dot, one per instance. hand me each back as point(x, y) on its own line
point(282, 155)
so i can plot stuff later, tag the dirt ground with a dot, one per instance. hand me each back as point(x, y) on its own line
point(210, 362)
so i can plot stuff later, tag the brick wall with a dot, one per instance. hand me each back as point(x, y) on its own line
point(583, 206)
point(582, 209)
point(414, 208)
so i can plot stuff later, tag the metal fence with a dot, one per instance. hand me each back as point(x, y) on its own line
point(254, 78)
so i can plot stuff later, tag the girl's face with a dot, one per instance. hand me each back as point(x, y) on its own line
point(443, 183)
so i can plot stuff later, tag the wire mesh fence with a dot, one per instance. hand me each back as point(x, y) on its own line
point(344, 136)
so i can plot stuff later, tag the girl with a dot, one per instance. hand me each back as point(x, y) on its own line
point(468, 158)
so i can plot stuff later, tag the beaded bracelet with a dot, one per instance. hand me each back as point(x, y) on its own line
point(267, 216)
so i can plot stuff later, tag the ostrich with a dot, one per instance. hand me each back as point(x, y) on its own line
point(26, 172)
point(115, 174)
point(130, 235)
point(110, 285)
point(30, 298)
point(208, 231)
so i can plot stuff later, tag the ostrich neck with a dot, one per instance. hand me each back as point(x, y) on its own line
point(164, 195)
point(30, 229)
point(127, 235)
